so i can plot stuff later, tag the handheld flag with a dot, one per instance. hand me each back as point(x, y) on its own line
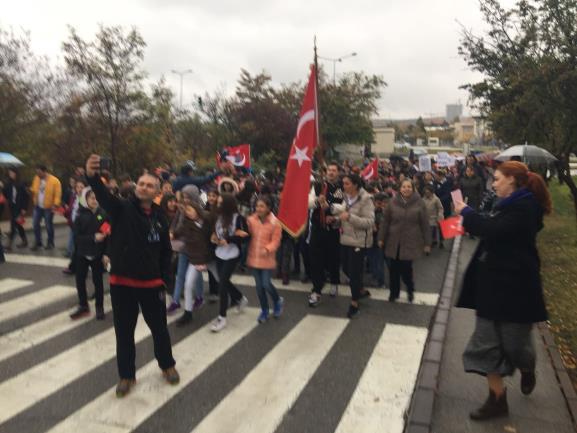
point(293, 208)
point(452, 227)
point(371, 171)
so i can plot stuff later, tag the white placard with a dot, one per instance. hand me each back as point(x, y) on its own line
point(424, 163)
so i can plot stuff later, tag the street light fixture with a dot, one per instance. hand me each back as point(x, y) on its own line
point(335, 60)
point(182, 74)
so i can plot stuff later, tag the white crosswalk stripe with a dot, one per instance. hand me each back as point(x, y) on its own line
point(257, 401)
point(39, 332)
point(34, 301)
point(8, 285)
point(61, 370)
point(421, 298)
point(385, 388)
point(261, 400)
point(108, 414)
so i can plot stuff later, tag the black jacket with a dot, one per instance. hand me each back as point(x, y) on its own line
point(86, 225)
point(503, 281)
point(22, 197)
point(139, 243)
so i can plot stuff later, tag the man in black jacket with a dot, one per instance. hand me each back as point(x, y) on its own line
point(140, 255)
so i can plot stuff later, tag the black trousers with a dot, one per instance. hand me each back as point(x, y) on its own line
point(324, 253)
point(401, 269)
point(353, 262)
point(126, 302)
point(225, 287)
point(16, 228)
point(82, 265)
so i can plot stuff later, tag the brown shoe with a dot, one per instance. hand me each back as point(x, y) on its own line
point(124, 386)
point(171, 376)
point(492, 408)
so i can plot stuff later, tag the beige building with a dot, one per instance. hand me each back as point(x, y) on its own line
point(465, 130)
point(384, 143)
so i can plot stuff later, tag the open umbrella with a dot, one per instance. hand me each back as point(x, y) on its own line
point(527, 153)
point(9, 160)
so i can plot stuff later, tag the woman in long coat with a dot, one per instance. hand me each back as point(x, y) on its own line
point(503, 284)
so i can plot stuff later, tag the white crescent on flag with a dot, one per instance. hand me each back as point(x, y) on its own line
point(235, 162)
point(307, 117)
point(369, 174)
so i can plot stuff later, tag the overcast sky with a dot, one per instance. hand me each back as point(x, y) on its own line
point(411, 43)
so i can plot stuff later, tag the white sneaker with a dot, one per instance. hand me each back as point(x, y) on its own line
point(219, 324)
point(334, 290)
point(314, 299)
point(242, 305)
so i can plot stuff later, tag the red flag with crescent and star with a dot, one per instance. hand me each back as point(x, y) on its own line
point(452, 227)
point(293, 210)
point(239, 155)
point(371, 171)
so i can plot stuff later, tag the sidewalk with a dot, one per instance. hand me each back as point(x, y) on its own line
point(457, 393)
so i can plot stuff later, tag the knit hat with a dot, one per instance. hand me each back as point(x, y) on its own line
point(192, 193)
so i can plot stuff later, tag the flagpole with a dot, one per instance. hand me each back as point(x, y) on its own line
point(321, 151)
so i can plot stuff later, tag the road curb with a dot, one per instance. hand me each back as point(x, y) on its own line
point(560, 371)
point(419, 417)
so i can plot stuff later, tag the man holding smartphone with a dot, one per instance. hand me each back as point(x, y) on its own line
point(140, 254)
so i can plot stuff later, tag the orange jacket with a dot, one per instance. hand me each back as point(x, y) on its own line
point(265, 240)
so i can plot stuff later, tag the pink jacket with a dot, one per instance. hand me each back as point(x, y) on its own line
point(264, 236)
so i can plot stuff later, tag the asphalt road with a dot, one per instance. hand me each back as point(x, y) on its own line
point(310, 371)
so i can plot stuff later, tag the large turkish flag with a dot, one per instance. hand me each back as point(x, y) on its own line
point(293, 210)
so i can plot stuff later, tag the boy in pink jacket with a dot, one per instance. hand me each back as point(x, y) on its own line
point(265, 231)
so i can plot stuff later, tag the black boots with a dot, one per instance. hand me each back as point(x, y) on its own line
point(492, 408)
point(528, 382)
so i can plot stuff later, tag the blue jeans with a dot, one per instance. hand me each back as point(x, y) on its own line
point(37, 216)
point(262, 279)
point(377, 264)
point(181, 268)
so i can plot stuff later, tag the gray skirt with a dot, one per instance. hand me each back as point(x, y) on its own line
point(500, 348)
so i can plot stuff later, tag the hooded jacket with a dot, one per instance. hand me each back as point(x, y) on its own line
point(86, 224)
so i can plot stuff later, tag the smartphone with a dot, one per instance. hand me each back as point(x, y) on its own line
point(105, 163)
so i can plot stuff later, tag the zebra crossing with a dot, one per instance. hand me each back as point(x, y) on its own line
point(312, 370)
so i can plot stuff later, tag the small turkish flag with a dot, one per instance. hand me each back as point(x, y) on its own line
point(293, 210)
point(105, 228)
point(371, 171)
point(239, 155)
point(452, 227)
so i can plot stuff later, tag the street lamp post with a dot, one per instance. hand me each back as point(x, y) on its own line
point(335, 60)
point(182, 74)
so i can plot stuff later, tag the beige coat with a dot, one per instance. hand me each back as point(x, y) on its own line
point(434, 209)
point(405, 229)
point(358, 230)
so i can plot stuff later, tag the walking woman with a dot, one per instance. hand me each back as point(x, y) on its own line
point(229, 232)
point(265, 232)
point(17, 198)
point(357, 217)
point(405, 235)
point(503, 284)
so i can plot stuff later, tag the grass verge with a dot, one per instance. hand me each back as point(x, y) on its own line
point(558, 251)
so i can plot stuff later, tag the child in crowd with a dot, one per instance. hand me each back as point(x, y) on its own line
point(265, 231)
point(91, 229)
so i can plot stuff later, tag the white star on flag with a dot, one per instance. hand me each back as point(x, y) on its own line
point(300, 155)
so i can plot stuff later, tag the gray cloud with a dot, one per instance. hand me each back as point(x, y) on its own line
point(411, 43)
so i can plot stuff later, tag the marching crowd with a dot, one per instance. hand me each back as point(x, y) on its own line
point(161, 233)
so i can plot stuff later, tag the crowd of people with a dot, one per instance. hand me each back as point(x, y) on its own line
point(161, 233)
